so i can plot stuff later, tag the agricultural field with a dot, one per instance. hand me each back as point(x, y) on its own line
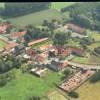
point(60, 5)
point(27, 85)
point(89, 91)
point(87, 60)
point(37, 18)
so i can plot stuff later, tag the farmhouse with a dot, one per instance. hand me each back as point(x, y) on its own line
point(19, 49)
point(76, 80)
point(18, 35)
point(76, 29)
point(57, 65)
point(39, 71)
point(37, 41)
point(10, 46)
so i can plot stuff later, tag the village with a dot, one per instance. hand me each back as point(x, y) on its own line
point(49, 56)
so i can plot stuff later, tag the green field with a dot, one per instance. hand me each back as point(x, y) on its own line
point(60, 5)
point(26, 85)
point(89, 91)
point(37, 18)
point(2, 44)
point(87, 60)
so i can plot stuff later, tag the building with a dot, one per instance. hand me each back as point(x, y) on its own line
point(76, 80)
point(76, 29)
point(18, 36)
point(39, 71)
point(37, 41)
point(57, 65)
point(19, 49)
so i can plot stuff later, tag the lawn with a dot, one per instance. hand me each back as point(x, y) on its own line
point(60, 5)
point(37, 18)
point(26, 85)
point(2, 44)
point(89, 91)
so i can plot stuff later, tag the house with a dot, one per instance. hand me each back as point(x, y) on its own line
point(76, 29)
point(10, 46)
point(39, 71)
point(45, 47)
point(30, 52)
point(19, 49)
point(18, 36)
point(57, 65)
point(78, 51)
point(37, 41)
point(76, 80)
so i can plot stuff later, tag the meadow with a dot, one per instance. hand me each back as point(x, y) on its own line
point(87, 60)
point(27, 85)
point(37, 18)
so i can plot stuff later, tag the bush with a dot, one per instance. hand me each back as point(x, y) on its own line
point(73, 94)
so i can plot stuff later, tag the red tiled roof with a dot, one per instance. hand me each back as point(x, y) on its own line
point(18, 34)
point(37, 41)
point(10, 45)
point(66, 52)
point(75, 28)
point(40, 58)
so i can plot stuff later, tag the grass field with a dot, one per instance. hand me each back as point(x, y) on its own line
point(2, 44)
point(26, 85)
point(37, 18)
point(60, 5)
point(89, 91)
point(90, 60)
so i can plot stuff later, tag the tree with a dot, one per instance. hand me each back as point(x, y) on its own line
point(73, 94)
point(60, 38)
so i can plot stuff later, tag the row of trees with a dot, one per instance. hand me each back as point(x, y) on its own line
point(9, 63)
point(4, 78)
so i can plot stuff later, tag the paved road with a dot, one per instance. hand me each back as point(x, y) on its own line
point(84, 66)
